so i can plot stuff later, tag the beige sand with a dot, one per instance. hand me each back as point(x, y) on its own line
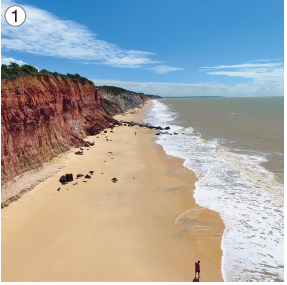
point(104, 231)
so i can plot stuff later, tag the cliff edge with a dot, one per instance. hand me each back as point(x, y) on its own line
point(43, 116)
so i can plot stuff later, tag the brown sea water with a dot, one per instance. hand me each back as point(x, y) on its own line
point(250, 124)
point(235, 147)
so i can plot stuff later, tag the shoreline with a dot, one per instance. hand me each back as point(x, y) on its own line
point(104, 231)
point(209, 226)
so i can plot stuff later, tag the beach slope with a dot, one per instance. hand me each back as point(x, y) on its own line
point(131, 230)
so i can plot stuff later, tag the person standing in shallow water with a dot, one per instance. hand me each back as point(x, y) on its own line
point(197, 268)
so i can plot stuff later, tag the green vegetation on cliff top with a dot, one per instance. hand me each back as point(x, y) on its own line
point(115, 89)
point(14, 70)
point(122, 90)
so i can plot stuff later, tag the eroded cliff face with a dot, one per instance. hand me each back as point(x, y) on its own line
point(116, 103)
point(42, 116)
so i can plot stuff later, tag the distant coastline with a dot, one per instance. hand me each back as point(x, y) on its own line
point(193, 97)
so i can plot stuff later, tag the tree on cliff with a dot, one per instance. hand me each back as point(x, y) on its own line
point(11, 71)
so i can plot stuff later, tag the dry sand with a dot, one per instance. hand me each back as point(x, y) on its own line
point(131, 230)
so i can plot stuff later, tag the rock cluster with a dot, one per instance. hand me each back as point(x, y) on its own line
point(66, 178)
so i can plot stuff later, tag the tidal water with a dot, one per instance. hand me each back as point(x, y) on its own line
point(235, 146)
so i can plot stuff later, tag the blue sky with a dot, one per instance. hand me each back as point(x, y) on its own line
point(164, 47)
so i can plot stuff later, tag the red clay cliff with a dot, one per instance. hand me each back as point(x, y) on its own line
point(42, 116)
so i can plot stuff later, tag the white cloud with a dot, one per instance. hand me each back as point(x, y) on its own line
point(250, 89)
point(8, 60)
point(263, 60)
point(245, 65)
point(163, 69)
point(46, 34)
point(266, 79)
point(257, 71)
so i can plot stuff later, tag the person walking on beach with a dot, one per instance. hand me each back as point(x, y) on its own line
point(197, 268)
point(135, 133)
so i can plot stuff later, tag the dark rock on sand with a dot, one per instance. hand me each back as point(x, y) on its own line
point(59, 189)
point(114, 180)
point(87, 176)
point(69, 177)
point(87, 143)
point(63, 179)
point(79, 175)
point(92, 171)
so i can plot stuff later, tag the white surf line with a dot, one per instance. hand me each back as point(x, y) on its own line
point(189, 210)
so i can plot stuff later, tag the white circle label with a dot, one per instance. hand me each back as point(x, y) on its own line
point(15, 16)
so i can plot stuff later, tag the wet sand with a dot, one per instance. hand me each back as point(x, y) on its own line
point(131, 230)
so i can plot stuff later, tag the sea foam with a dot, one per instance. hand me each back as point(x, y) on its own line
point(245, 194)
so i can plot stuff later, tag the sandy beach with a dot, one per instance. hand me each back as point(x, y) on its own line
point(144, 227)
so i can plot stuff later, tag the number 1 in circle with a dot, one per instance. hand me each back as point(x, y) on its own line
point(15, 12)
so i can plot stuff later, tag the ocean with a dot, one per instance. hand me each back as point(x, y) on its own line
point(235, 146)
